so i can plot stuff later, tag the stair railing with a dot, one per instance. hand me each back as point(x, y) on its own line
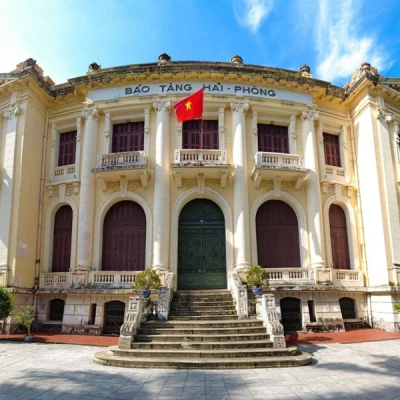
point(165, 294)
point(266, 311)
point(239, 294)
point(131, 323)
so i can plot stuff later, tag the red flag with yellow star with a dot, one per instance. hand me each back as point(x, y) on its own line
point(190, 107)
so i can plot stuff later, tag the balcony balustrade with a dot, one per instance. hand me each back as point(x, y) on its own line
point(278, 167)
point(200, 164)
point(64, 173)
point(122, 167)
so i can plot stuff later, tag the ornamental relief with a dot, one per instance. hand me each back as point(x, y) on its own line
point(113, 187)
point(286, 186)
point(267, 185)
point(135, 186)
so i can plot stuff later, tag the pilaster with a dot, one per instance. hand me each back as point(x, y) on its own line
point(240, 188)
point(87, 193)
point(161, 223)
point(314, 211)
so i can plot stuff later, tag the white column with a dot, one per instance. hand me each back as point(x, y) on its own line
point(161, 220)
point(314, 214)
point(240, 191)
point(7, 180)
point(87, 191)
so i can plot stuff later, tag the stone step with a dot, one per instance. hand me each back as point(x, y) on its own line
point(184, 353)
point(201, 345)
point(199, 317)
point(300, 359)
point(206, 313)
point(201, 331)
point(231, 337)
point(202, 306)
point(203, 324)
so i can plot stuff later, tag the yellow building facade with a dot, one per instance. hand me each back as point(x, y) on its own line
point(99, 182)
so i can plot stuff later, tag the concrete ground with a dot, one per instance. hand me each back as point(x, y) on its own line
point(364, 370)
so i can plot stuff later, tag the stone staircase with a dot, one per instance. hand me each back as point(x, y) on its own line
point(202, 332)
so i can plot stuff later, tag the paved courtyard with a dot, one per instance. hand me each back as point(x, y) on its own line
point(369, 370)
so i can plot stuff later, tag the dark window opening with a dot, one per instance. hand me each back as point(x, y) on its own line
point(339, 238)
point(128, 137)
point(332, 150)
point(347, 307)
point(200, 134)
point(92, 314)
point(311, 310)
point(273, 138)
point(67, 148)
point(62, 240)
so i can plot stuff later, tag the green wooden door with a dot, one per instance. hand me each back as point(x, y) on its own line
point(201, 246)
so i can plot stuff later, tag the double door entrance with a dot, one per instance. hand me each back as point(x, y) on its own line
point(201, 246)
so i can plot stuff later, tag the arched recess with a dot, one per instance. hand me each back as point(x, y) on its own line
point(351, 231)
point(339, 238)
point(62, 236)
point(201, 246)
point(217, 198)
point(114, 312)
point(56, 312)
point(124, 237)
point(54, 206)
point(277, 235)
point(301, 220)
point(99, 221)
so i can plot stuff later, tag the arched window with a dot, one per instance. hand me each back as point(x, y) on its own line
point(124, 238)
point(277, 236)
point(62, 240)
point(339, 238)
point(56, 310)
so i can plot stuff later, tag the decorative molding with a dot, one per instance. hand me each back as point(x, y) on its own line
point(239, 106)
point(162, 105)
point(309, 115)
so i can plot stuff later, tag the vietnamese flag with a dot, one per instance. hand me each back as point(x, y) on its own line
point(190, 107)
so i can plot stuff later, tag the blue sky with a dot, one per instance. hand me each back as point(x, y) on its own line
point(333, 37)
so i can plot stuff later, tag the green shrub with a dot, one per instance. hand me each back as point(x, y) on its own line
point(147, 279)
point(25, 317)
point(6, 303)
point(397, 306)
point(257, 276)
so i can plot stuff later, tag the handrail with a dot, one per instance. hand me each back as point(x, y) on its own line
point(271, 321)
point(165, 294)
point(239, 294)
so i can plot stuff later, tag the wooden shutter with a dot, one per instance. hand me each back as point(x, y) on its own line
point(124, 238)
point(273, 138)
point(339, 238)
point(332, 150)
point(198, 134)
point(62, 240)
point(128, 137)
point(67, 148)
point(277, 236)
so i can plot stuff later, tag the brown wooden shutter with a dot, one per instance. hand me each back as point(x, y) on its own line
point(277, 236)
point(124, 238)
point(198, 134)
point(339, 238)
point(128, 137)
point(332, 150)
point(62, 240)
point(273, 138)
point(67, 148)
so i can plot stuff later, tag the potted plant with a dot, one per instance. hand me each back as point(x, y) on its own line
point(25, 317)
point(147, 280)
point(257, 277)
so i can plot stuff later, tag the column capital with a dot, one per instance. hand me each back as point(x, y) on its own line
point(90, 112)
point(162, 105)
point(238, 106)
point(383, 115)
point(309, 115)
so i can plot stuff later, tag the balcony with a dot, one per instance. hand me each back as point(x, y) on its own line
point(278, 167)
point(291, 276)
point(122, 167)
point(200, 165)
point(65, 173)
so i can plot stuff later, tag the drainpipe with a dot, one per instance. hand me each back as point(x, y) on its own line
point(360, 216)
point(40, 214)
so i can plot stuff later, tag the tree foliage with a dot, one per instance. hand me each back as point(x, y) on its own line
point(147, 279)
point(257, 276)
point(6, 303)
point(397, 306)
point(25, 317)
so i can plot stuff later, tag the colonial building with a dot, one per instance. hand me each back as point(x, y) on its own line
point(99, 181)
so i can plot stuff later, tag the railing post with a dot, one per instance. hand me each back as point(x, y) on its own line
point(239, 294)
point(131, 324)
point(165, 294)
point(271, 321)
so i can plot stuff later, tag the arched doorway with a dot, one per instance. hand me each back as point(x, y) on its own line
point(291, 314)
point(277, 236)
point(201, 246)
point(339, 238)
point(124, 238)
point(347, 308)
point(114, 312)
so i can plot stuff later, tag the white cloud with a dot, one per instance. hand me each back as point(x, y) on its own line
point(342, 43)
point(251, 13)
